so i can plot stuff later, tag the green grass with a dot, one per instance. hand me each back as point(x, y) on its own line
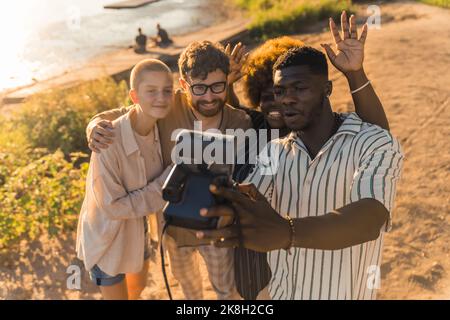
point(439, 3)
point(272, 18)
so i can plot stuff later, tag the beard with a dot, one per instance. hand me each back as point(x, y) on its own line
point(208, 108)
point(302, 120)
point(298, 121)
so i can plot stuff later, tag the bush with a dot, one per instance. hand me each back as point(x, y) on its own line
point(43, 196)
point(57, 119)
point(43, 160)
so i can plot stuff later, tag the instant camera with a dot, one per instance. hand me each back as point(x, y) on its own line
point(201, 158)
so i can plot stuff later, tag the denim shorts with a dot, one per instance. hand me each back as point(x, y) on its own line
point(101, 278)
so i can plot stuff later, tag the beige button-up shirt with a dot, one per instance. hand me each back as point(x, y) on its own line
point(118, 196)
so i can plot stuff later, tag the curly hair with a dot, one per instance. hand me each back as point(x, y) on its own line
point(202, 57)
point(258, 70)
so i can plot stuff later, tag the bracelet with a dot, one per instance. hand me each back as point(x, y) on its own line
point(360, 88)
point(292, 238)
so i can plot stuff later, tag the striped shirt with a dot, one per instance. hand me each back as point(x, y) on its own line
point(359, 161)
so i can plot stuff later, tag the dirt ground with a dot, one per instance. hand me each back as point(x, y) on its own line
point(408, 63)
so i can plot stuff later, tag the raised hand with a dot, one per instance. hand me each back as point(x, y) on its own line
point(350, 50)
point(237, 59)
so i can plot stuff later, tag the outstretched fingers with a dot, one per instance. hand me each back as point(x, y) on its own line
point(364, 31)
point(228, 50)
point(353, 28)
point(236, 51)
point(344, 25)
point(335, 32)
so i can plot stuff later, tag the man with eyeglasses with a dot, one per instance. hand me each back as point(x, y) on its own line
point(205, 80)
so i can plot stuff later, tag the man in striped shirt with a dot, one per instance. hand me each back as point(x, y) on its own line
point(321, 200)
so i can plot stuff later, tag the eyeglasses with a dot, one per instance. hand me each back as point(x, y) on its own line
point(201, 89)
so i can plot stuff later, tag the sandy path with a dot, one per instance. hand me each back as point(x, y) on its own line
point(408, 61)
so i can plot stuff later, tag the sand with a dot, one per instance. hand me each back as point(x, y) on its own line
point(408, 62)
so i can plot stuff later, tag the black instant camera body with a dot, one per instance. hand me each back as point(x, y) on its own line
point(200, 159)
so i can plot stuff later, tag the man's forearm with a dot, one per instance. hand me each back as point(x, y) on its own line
point(350, 225)
point(367, 104)
point(232, 98)
point(109, 115)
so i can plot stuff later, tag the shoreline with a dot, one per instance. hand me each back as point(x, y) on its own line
point(117, 62)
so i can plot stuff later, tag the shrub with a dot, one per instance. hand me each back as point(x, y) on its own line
point(43, 196)
point(43, 160)
point(57, 119)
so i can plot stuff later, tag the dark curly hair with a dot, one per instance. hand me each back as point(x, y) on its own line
point(303, 56)
point(202, 57)
point(258, 70)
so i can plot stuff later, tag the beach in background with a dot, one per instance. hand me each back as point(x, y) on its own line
point(44, 38)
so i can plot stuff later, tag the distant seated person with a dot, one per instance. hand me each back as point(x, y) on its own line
point(141, 42)
point(162, 38)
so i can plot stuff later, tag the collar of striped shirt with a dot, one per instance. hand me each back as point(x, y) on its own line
point(351, 124)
